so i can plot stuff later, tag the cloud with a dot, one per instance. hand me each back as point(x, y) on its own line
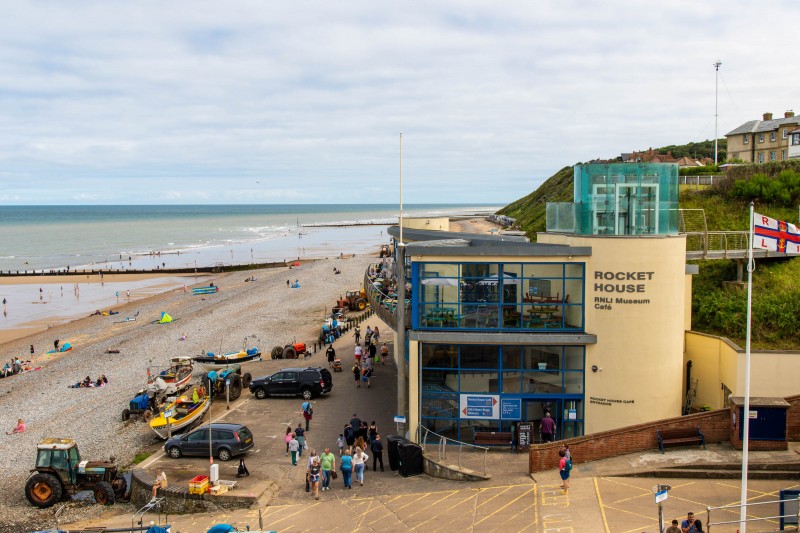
point(192, 102)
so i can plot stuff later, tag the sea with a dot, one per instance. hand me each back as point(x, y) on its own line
point(40, 239)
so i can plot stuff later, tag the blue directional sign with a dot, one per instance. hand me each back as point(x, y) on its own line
point(482, 406)
point(511, 409)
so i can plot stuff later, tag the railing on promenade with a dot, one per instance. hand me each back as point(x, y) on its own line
point(383, 304)
point(466, 455)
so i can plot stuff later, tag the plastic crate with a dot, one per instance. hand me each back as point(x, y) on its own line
point(198, 485)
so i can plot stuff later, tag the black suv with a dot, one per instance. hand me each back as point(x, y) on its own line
point(306, 382)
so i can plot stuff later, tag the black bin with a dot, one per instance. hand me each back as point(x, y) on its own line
point(391, 442)
point(410, 455)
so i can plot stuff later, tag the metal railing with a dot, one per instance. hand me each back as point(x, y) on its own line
point(382, 304)
point(794, 516)
point(467, 455)
point(699, 180)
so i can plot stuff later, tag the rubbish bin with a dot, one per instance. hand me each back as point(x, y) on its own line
point(410, 456)
point(391, 442)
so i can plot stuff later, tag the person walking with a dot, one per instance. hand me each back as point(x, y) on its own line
point(307, 410)
point(673, 528)
point(287, 438)
point(300, 434)
point(328, 463)
point(357, 335)
point(689, 525)
point(372, 431)
point(357, 374)
point(313, 477)
point(331, 354)
point(376, 447)
point(347, 469)
point(564, 468)
point(373, 353)
point(384, 353)
point(376, 335)
point(547, 427)
point(359, 460)
point(293, 447)
point(357, 353)
point(349, 436)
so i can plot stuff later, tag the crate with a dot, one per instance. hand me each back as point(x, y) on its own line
point(198, 485)
point(219, 489)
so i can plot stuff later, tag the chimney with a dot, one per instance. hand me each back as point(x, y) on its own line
point(767, 116)
point(788, 114)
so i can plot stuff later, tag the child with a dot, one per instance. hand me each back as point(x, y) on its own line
point(340, 443)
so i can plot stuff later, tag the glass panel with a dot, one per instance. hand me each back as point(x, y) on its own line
point(542, 357)
point(512, 356)
point(198, 435)
point(573, 358)
point(573, 382)
point(439, 380)
point(469, 427)
point(440, 355)
point(480, 356)
point(512, 382)
point(480, 382)
point(448, 428)
point(439, 406)
point(542, 382)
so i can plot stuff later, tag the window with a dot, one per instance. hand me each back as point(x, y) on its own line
point(746, 138)
point(198, 436)
point(761, 137)
point(784, 133)
point(772, 136)
point(783, 155)
point(795, 139)
point(761, 157)
point(772, 156)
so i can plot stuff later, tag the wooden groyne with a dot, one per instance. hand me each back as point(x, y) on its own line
point(215, 269)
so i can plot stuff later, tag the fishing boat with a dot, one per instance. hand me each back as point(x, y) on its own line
point(185, 413)
point(178, 374)
point(211, 361)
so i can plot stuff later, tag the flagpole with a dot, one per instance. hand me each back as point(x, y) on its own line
point(745, 419)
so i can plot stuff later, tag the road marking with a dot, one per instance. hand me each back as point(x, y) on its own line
point(391, 512)
point(303, 508)
point(493, 497)
point(602, 507)
point(503, 507)
point(438, 512)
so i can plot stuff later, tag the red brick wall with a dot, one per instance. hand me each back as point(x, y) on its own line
point(715, 425)
point(793, 418)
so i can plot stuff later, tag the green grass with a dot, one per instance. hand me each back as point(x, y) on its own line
point(141, 456)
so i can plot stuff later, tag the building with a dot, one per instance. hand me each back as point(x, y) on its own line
point(794, 144)
point(761, 141)
point(587, 324)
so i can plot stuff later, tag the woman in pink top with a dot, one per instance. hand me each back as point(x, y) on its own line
point(563, 470)
point(19, 429)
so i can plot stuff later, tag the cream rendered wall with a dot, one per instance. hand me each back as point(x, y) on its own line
point(431, 223)
point(413, 387)
point(639, 350)
point(772, 374)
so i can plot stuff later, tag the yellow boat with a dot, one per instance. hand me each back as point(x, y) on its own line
point(185, 413)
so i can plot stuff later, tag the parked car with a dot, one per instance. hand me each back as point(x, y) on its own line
point(227, 440)
point(306, 382)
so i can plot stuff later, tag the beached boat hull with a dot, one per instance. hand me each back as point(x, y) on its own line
point(186, 415)
point(220, 362)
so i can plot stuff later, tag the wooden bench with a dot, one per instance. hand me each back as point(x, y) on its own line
point(493, 438)
point(679, 437)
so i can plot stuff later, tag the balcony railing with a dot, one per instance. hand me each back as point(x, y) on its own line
point(383, 303)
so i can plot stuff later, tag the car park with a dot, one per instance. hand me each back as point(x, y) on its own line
point(306, 382)
point(227, 441)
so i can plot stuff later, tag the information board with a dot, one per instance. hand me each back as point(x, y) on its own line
point(480, 406)
point(525, 435)
point(510, 409)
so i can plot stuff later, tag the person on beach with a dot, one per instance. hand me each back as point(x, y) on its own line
point(357, 374)
point(313, 477)
point(293, 447)
point(55, 344)
point(384, 353)
point(19, 428)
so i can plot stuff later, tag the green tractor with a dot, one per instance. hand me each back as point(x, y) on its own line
point(60, 473)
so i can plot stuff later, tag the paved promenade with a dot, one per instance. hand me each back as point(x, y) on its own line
point(599, 499)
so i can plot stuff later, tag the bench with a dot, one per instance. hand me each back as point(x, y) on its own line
point(679, 437)
point(493, 438)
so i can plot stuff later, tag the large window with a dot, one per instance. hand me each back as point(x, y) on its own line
point(542, 377)
point(499, 296)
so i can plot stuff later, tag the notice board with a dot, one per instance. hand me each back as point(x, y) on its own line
point(525, 435)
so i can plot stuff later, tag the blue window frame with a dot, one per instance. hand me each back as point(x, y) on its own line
point(498, 296)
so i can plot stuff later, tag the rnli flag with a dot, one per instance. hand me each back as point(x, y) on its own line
point(775, 235)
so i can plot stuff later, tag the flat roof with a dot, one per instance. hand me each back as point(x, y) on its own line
point(448, 243)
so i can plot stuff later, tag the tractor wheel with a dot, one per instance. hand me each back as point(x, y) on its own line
point(104, 493)
point(277, 352)
point(289, 353)
point(147, 415)
point(235, 387)
point(361, 304)
point(120, 487)
point(126, 414)
point(246, 380)
point(43, 490)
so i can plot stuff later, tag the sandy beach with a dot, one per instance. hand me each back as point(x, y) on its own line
point(217, 322)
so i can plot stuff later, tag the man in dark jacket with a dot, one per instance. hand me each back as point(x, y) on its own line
point(376, 446)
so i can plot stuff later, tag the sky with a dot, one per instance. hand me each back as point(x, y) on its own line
point(195, 102)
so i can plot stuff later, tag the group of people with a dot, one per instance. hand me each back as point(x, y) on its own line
point(88, 383)
point(690, 525)
point(15, 366)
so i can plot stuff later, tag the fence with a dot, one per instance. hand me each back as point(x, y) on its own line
point(698, 180)
point(467, 455)
point(788, 513)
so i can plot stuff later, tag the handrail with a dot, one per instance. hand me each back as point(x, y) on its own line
point(442, 447)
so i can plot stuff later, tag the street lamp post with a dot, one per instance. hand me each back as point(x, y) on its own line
point(717, 64)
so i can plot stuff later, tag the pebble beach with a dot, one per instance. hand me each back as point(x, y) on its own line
point(265, 308)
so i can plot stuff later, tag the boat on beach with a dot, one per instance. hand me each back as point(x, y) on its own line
point(178, 374)
point(185, 413)
point(211, 361)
